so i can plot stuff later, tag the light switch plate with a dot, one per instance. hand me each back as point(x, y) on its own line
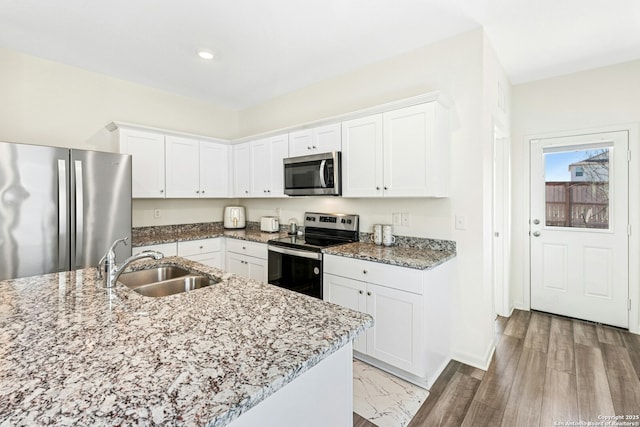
point(461, 222)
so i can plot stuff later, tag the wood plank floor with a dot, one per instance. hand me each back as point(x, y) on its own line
point(545, 370)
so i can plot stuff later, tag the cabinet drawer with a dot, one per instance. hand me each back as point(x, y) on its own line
point(168, 249)
point(254, 249)
point(195, 247)
point(391, 276)
point(211, 259)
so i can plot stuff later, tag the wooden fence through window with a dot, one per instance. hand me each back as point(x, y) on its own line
point(577, 204)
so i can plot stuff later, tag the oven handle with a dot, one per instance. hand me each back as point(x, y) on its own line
point(293, 252)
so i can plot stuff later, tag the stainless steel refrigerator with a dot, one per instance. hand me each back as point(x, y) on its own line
point(60, 209)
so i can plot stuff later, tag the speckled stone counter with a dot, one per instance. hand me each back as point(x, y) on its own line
point(143, 236)
point(74, 353)
point(420, 258)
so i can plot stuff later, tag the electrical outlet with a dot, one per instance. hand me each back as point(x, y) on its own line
point(278, 211)
point(404, 219)
point(396, 218)
point(156, 213)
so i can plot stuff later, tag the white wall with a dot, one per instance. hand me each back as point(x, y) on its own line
point(455, 67)
point(604, 97)
point(48, 103)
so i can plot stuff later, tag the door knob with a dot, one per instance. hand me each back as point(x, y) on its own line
point(536, 234)
point(536, 221)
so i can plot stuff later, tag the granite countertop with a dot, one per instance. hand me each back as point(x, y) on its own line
point(75, 353)
point(421, 258)
point(144, 236)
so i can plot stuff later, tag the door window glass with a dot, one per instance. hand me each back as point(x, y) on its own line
point(577, 188)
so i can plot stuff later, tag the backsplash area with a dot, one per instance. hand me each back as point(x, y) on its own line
point(428, 218)
point(170, 233)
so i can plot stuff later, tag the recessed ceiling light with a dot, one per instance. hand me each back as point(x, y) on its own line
point(205, 54)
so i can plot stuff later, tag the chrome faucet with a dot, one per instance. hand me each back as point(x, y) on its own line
point(111, 269)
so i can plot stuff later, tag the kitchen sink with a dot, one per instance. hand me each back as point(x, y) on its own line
point(163, 281)
point(151, 275)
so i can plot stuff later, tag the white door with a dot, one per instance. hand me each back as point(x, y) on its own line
point(147, 162)
point(347, 293)
point(241, 170)
point(182, 167)
point(279, 151)
point(362, 157)
point(396, 336)
point(260, 168)
point(214, 169)
point(579, 222)
point(409, 146)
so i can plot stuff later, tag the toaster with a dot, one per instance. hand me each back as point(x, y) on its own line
point(270, 224)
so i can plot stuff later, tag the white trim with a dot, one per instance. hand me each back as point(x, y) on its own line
point(471, 360)
point(436, 96)
point(132, 126)
point(633, 130)
point(376, 109)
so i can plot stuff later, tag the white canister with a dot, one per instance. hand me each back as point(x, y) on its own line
point(376, 237)
point(388, 238)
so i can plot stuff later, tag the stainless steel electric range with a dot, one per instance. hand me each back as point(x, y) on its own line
point(295, 262)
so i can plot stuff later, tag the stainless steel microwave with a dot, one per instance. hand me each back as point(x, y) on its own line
point(314, 175)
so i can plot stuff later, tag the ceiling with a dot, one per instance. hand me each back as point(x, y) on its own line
point(271, 47)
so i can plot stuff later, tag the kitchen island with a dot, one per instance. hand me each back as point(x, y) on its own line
point(74, 353)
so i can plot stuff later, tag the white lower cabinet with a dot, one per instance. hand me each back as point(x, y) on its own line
point(206, 251)
point(410, 308)
point(247, 259)
point(167, 249)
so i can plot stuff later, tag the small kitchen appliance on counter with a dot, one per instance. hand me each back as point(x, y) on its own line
point(270, 224)
point(234, 217)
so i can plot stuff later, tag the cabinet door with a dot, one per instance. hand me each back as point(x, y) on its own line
point(347, 293)
point(237, 264)
point(241, 170)
point(301, 143)
point(362, 153)
point(183, 167)
point(327, 138)
point(213, 259)
point(214, 169)
point(409, 148)
point(260, 167)
point(397, 336)
point(279, 151)
point(147, 162)
point(167, 249)
point(257, 269)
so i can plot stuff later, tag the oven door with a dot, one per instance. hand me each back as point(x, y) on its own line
point(296, 270)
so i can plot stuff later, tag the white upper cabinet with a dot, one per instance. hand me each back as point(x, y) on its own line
point(399, 153)
point(182, 167)
point(147, 162)
point(214, 169)
point(242, 170)
point(362, 171)
point(323, 139)
point(196, 169)
point(266, 171)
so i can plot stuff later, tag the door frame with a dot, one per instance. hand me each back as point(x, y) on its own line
point(633, 214)
point(501, 223)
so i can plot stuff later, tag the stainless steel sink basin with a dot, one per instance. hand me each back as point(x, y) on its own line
point(174, 286)
point(163, 281)
point(152, 275)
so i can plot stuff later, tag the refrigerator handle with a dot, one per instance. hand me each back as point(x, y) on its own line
point(62, 214)
point(79, 212)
